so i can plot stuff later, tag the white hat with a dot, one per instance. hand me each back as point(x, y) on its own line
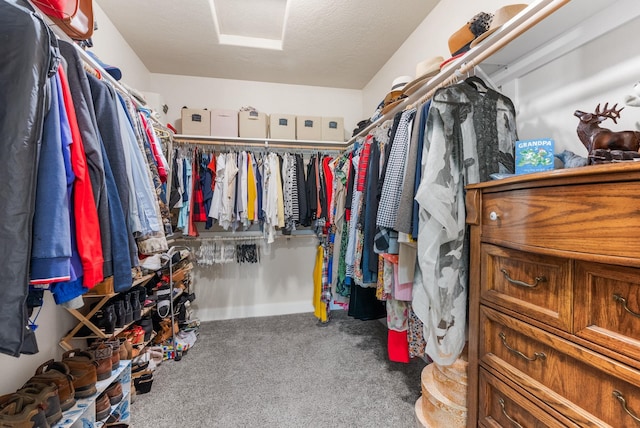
point(424, 69)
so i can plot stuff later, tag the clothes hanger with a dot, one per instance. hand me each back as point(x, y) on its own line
point(477, 83)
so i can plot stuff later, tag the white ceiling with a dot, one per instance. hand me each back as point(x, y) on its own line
point(334, 43)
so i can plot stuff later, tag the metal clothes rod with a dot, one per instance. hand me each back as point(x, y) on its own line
point(464, 65)
point(259, 237)
point(181, 139)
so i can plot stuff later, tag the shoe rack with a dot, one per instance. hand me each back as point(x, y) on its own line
point(83, 413)
point(84, 319)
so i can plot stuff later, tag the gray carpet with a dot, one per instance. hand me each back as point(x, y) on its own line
point(284, 371)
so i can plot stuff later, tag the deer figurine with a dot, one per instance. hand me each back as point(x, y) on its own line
point(599, 139)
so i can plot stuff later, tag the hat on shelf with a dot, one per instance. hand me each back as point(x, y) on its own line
point(448, 62)
point(396, 94)
point(500, 17)
point(460, 41)
point(424, 69)
point(112, 70)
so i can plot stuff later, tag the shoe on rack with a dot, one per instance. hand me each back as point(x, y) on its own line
point(112, 419)
point(59, 374)
point(102, 354)
point(114, 392)
point(125, 349)
point(143, 383)
point(84, 369)
point(103, 407)
point(136, 307)
point(139, 367)
point(128, 310)
point(147, 325)
point(115, 350)
point(118, 307)
point(47, 396)
point(21, 411)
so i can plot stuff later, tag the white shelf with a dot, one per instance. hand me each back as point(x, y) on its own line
point(84, 409)
point(570, 27)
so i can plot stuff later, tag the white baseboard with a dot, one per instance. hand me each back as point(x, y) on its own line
point(262, 310)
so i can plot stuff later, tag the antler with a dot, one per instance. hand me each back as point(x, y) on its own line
point(609, 113)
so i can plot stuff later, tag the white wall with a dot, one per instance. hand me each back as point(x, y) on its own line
point(596, 73)
point(53, 322)
point(113, 49)
point(203, 92)
point(429, 40)
point(281, 283)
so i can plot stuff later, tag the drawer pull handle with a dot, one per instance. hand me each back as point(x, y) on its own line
point(618, 298)
point(538, 279)
point(504, 412)
point(623, 402)
point(536, 356)
point(493, 216)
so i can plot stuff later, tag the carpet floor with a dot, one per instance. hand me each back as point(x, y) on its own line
point(283, 371)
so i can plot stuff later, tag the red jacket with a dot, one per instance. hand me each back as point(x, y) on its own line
point(84, 208)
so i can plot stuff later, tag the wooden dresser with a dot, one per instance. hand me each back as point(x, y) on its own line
point(554, 299)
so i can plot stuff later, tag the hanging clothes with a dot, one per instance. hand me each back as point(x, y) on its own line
point(32, 49)
point(80, 93)
point(108, 126)
point(85, 212)
point(452, 159)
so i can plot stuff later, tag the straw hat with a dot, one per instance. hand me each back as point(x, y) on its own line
point(424, 69)
point(395, 95)
point(500, 17)
point(460, 41)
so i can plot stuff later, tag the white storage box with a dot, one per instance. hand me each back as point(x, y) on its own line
point(282, 126)
point(252, 124)
point(196, 121)
point(333, 129)
point(224, 123)
point(309, 128)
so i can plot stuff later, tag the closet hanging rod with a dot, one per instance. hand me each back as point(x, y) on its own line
point(259, 143)
point(534, 13)
point(248, 237)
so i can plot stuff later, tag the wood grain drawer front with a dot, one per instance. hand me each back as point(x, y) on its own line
point(534, 285)
point(574, 381)
point(607, 307)
point(589, 218)
point(501, 406)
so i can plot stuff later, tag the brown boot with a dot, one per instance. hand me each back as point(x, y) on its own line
point(102, 354)
point(103, 407)
point(47, 396)
point(59, 374)
point(21, 411)
point(114, 392)
point(84, 370)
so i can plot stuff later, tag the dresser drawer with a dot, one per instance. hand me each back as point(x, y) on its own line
point(581, 218)
point(607, 307)
point(533, 285)
point(501, 406)
point(572, 380)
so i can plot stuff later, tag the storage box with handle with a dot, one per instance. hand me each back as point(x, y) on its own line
point(196, 121)
point(309, 128)
point(224, 123)
point(252, 124)
point(333, 129)
point(282, 126)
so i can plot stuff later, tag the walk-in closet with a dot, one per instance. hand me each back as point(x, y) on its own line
point(293, 213)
